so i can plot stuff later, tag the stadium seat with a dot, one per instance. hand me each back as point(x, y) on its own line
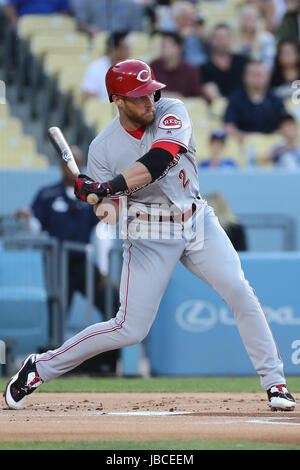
point(19, 151)
point(10, 127)
point(4, 110)
point(234, 151)
point(55, 63)
point(221, 11)
point(98, 45)
point(139, 44)
point(257, 146)
point(42, 43)
point(98, 113)
point(217, 107)
point(69, 82)
point(23, 301)
point(196, 106)
point(28, 25)
point(155, 46)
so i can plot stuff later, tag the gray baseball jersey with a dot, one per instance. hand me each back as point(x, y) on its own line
point(114, 150)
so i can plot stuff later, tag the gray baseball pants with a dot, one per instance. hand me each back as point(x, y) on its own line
point(148, 266)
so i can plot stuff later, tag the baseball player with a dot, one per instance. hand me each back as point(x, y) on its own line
point(146, 154)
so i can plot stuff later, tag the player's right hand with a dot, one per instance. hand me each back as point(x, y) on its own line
point(84, 186)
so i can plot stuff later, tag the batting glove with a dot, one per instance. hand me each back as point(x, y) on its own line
point(84, 186)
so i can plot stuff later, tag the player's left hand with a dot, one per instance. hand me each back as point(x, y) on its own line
point(84, 186)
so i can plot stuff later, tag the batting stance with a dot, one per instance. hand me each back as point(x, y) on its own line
point(147, 154)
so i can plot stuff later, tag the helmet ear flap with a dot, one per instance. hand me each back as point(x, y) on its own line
point(157, 95)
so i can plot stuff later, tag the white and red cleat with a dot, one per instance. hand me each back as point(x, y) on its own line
point(26, 381)
point(280, 399)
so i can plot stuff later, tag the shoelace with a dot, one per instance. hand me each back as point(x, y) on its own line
point(33, 383)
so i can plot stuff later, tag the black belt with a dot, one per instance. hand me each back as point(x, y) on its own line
point(168, 218)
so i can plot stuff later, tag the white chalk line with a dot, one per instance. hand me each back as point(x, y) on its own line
point(287, 421)
point(262, 421)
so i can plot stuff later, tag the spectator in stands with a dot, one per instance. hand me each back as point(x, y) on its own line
point(251, 38)
point(267, 10)
point(287, 154)
point(253, 108)
point(228, 220)
point(16, 8)
point(286, 68)
point(94, 16)
point(181, 78)
point(94, 79)
point(217, 158)
point(222, 74)
point(56, 210)
point(289, 27)
point(191, 27)
point(163, 16)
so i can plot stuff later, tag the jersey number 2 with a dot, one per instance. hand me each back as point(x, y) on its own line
point(182, 176)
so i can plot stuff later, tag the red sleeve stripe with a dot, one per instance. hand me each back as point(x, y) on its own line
point(168, 146)
point(169, 139)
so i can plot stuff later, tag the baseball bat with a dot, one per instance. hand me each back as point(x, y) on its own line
point(60, 144)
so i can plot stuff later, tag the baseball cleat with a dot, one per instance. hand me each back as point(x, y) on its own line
point(280, 399)
point(22, 384)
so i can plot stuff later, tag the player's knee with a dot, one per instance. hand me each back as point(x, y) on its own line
point(237, 293)
point(131, 337)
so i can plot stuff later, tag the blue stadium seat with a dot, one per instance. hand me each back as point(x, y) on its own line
point(23, 301)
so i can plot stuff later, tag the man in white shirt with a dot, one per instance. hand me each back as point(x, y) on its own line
point(93, 84)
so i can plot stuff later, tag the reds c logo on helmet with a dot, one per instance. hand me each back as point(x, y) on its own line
point(143, 75)
point(132, 78)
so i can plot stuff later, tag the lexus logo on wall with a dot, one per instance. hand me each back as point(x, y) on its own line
point(196, 316)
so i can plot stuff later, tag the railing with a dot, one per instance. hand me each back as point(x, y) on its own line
point(88, 251)
point(56, 257)
point(283, 222)
point(50, 248)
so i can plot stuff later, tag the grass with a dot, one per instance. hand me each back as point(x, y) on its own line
point(158, 384)
point(146, 445)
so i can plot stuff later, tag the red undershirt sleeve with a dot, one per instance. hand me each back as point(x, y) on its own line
point(168, 146)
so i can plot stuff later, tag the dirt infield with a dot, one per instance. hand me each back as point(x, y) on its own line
point(131, 416)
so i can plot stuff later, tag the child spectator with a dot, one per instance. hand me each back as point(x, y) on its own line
point(218, 158)
point(287, 154)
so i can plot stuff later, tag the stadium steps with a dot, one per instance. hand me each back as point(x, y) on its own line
point(20, 112)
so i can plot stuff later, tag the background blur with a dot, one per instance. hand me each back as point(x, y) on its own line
point(236, 66)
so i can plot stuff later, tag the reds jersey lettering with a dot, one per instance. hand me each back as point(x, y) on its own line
point(170, 121)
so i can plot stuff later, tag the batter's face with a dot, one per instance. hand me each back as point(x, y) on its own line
point(136, 112)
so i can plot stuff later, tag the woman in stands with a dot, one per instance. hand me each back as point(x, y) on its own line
point(286, 68)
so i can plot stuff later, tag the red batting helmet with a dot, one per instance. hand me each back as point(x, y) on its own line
point(132, 78)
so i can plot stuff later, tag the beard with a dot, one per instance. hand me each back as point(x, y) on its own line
point(142, 119)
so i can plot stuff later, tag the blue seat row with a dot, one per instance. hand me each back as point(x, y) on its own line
point(23, 301)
